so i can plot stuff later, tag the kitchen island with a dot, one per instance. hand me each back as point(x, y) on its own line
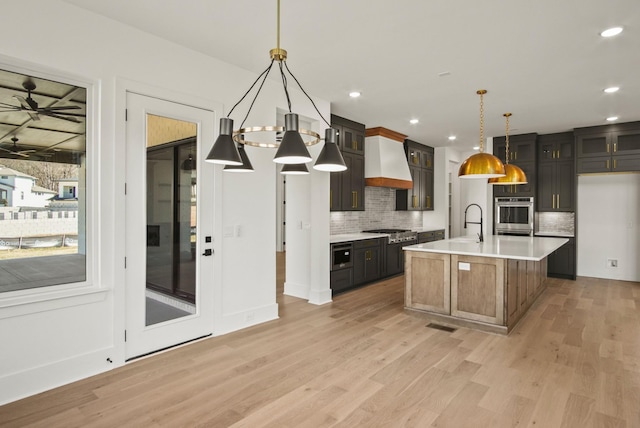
point(486, 285)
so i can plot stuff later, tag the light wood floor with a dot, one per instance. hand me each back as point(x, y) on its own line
point(363, 361)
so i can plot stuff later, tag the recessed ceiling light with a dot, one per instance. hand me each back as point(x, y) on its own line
point(354, 94)
point(612, 118)
point(476, 147)
point(612, 89)
point(414, 121)
point(610, 32)
point(452, 137)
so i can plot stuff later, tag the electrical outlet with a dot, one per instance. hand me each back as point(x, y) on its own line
point(612, 262)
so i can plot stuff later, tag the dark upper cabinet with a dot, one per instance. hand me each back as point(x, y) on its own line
point(611, 148)
point(555, 176)
point(352, 183)
point(522, 153)
point(350, 135)
point(351, 140)
point(347, 187)
point(420, 197)
point(409, 199)
point(522, 148)
point(556, 186)
point(427, 189)
point(555, 147)
point(529, 189)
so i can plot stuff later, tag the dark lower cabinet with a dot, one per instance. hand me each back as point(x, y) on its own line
point(562, 262)
point(341, 280)
point(394, 259)
point(366, 261)
point(431, 235)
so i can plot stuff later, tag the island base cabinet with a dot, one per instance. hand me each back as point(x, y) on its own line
point(477, 288)
point(524, 282)
point(427, 282)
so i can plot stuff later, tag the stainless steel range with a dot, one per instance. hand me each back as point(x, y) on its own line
point(396, 235)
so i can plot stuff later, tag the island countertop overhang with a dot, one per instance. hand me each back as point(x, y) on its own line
point(496, 246)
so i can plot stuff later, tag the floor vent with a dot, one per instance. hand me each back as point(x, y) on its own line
point(441, 327)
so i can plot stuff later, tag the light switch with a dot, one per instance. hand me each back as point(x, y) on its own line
point(464, 266)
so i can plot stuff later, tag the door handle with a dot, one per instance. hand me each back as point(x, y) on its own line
point(208, 252)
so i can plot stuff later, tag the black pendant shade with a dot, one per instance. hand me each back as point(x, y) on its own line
point(292, 149)
point(189, 163)
point(294, 169)
point(224, 150)
point(330, 158)
point(246, 163)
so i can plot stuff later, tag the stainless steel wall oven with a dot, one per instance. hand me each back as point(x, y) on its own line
point(514, 216)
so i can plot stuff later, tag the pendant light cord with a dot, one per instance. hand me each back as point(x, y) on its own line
point(305, 92)
point(284, 84)
point(264, 73)
point(507, 139)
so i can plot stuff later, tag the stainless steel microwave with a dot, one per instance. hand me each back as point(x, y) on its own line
point(514, 216)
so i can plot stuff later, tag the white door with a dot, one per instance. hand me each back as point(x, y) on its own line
point(169, 224)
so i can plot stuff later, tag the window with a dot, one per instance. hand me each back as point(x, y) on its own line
point(52, 249)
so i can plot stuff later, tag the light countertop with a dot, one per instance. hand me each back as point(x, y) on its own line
point(554, 233)
point(497, 246)
point(359, 236)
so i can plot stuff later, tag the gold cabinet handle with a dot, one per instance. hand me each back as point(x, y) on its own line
point(607, 163)
point(615, 163)
point(354, 199)
point(553, 202)
point(414, 201)
point(428, 201)
point(607, 147)
point(558, 201)
point(615, 148)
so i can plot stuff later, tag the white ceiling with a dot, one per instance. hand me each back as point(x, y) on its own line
point(542, 60)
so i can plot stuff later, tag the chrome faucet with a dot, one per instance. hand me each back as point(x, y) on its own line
point(480, 237)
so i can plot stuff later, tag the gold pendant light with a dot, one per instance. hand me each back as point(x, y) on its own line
point(481, 165)
point(513, 173)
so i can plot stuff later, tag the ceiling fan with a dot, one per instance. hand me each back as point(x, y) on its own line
point(15, 150)
point(30, 106)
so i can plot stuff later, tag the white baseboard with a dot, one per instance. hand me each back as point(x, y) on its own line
point(244, 319)
point(320, 297)
point(16, 386)
point(296, 290)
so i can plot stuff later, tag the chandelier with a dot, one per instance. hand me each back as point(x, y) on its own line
point(292, 149)
point(481, 165)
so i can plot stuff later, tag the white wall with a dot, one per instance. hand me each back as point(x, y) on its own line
point(53, 342)
point(439, 217)
point(608, 221)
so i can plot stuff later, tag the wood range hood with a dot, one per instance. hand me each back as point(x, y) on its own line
point(385, 161)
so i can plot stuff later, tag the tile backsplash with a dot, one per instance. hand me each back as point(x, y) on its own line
point(555, 222)
point(380, 212)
